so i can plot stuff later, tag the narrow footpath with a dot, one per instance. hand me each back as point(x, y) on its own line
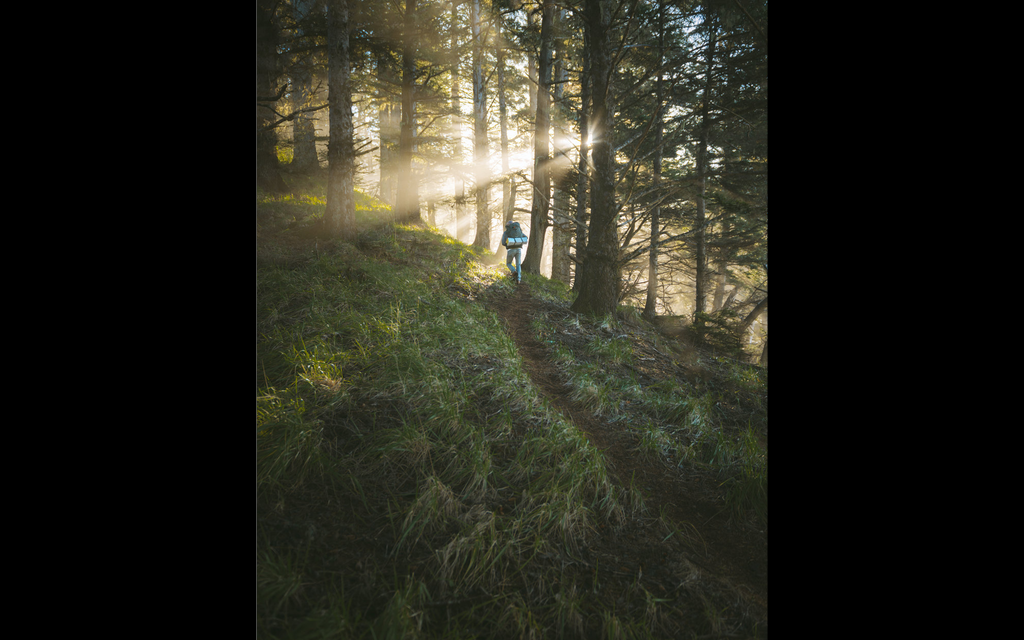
point(686, 497)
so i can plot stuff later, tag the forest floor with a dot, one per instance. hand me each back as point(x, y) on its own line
point(735, 556)
point(383, 382)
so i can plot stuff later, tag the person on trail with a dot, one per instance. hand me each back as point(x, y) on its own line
point(513, 240)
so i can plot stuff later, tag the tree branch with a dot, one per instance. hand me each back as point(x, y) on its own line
point(752, 21)
point(280, 93)
point(286, 118)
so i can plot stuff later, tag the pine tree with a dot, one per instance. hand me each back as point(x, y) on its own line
point(340, 215)
point(598, 293)
point(268, 170)
point(481, 172)
point(407, 209)
point(540, 209)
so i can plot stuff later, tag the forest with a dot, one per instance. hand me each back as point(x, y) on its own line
point(628, 138)
point(445, 453)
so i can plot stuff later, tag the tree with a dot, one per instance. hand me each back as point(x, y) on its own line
point(673, 185)
point(407, 209)
point(481, 172)
point(457, 169)
point(390, 128)
point(541, 144)
point(599, 294)
point(562, 220)
point(268, 170)
point(304, 67)
point(725, 99)
point(507, 187)
point(749, 320)
point(702, 167)
point(341, 212)
point(650, 306)
point(583, 168)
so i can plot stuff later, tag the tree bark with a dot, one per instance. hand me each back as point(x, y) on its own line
point(390, 133)
point(304, 158)
point(583, 182)
point(701, 254)
point(650, 305)
point(562, 221)
point(721, 280)
point(507, 197)
point(457, 170)
point(408, 209)
point(599, 290)
point(541, 145)
point(268, 169)
point(749, 320)
point(481, 171)
point(340, 216)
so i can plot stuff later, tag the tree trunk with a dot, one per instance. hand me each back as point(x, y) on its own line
point(531, 64)
point(583, 182)
point(599, 290)
point(701, 255)
point(562, 229)
point(457, 170)
point(268, 169)
point(507, 194)
point(721, 279)
point(408, 209)
point(305, 159)
point(749, 320)
point(481, 171)
point(431, 211)
point(650, 305)
point(541, 145)
point(390, 133)
point(340, 216)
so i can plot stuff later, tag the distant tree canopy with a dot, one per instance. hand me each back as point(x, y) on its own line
point(636, 131)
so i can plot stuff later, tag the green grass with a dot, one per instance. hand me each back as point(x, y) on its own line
point(411, 483)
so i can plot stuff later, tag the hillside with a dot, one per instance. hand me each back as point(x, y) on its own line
point(443, 454)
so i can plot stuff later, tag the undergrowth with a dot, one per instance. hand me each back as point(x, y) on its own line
point(411, 483)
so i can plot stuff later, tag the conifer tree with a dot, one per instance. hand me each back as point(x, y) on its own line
point(268, 170)
point(540, 209)
point(599, 286)
point(481, 172)
point(340, 215)
point(407, 209)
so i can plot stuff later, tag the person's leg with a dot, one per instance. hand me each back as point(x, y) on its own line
point(510, 256)
point(519, 270)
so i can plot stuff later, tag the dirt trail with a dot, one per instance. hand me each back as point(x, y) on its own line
point(686, 497)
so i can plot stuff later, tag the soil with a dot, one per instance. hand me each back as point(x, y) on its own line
point(733, 555)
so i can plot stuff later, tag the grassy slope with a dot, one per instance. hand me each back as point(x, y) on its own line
point(413, 482)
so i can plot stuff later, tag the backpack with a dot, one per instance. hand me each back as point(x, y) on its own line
point(514, 236)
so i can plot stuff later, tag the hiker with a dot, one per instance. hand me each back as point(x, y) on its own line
point(514, 239)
